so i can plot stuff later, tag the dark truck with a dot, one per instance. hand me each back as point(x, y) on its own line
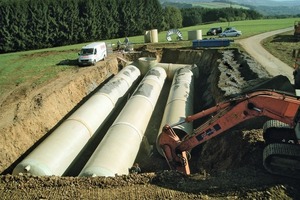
point(214, 31)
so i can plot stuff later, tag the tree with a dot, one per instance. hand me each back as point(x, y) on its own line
point(191, 16)
point(172, 17)
point(87, 18)
point(31, 24)
point(6, 38)
point(109, 16)
point(153, 15)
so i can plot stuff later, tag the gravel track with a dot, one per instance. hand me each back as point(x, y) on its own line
point(273, 65)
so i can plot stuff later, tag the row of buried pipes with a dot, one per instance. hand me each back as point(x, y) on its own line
point(119, 147)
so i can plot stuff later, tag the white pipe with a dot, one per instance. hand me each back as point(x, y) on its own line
point(172, 68)
point(146, 63)
point(119, 147)
point(56, 152)
point(179, 104)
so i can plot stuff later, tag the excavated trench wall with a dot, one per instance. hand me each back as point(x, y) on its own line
point(222, 73)
point(29, 113)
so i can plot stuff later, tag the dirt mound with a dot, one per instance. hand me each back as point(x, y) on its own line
point(239, 184)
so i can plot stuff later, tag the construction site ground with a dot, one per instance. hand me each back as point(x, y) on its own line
point(226, 167)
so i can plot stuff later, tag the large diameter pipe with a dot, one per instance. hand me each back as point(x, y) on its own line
point(56, 152)
point(172, 68)
point(179, 104)
point(118, 149)
point(146, 63)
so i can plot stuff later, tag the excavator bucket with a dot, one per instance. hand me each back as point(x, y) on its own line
point(168, 141)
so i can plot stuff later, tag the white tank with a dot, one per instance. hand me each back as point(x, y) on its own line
point(145, 63)
point(179, 104)
point(117, 151)
point(153, 36)
point(54, 155)
point(195, 35)
point(172, 68)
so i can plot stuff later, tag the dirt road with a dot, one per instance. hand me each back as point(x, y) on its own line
point(273, 65)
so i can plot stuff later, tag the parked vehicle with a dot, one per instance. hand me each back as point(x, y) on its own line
point(92, 53)
point(214, 31)
point(229, 28)
point(230, 33)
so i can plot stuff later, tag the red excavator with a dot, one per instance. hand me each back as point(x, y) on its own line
point(282, 134)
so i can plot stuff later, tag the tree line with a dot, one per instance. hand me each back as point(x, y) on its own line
point(197, 15)
point(32, 24)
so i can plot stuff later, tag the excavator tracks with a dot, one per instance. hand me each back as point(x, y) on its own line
point(275, 131)
point(282, 159)
point(281, 155)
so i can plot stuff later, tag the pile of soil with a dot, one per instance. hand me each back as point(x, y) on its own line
point(228, 166)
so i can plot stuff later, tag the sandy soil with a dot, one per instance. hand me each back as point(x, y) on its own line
point(226, 167)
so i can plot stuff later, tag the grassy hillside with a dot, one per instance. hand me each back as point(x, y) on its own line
point(248, 28)
point(266, 7)
point(290, 3)
point(43, 65)
point(216, 5)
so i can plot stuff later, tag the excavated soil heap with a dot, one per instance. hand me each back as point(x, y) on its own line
point(228, 166)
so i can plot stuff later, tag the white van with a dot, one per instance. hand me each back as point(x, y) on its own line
point(92, 53)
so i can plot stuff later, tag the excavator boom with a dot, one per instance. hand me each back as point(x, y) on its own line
point(278, 106)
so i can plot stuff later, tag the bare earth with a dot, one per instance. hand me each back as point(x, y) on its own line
point(226, 167)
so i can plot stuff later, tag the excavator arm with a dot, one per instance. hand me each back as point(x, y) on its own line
point(275, 105)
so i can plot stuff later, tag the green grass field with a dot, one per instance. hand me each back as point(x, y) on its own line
point(248, 28)
point(40, 66)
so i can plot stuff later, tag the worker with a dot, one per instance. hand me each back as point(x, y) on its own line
point(126, 41)
point(119, 45)
point(214, 32)
point(135, 169)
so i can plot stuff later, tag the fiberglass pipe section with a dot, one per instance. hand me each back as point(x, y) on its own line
point(117, 151)
point(172, 68)
point(146, 63)
point(179, 104)
point(54, 155)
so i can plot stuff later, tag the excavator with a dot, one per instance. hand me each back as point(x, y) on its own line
point(281, 155)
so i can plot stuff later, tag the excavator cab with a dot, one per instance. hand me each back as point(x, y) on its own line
point(296, 73)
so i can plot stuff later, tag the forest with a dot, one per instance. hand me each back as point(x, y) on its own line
point(31, 24)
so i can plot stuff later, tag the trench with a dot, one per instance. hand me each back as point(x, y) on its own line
point(223, 73)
